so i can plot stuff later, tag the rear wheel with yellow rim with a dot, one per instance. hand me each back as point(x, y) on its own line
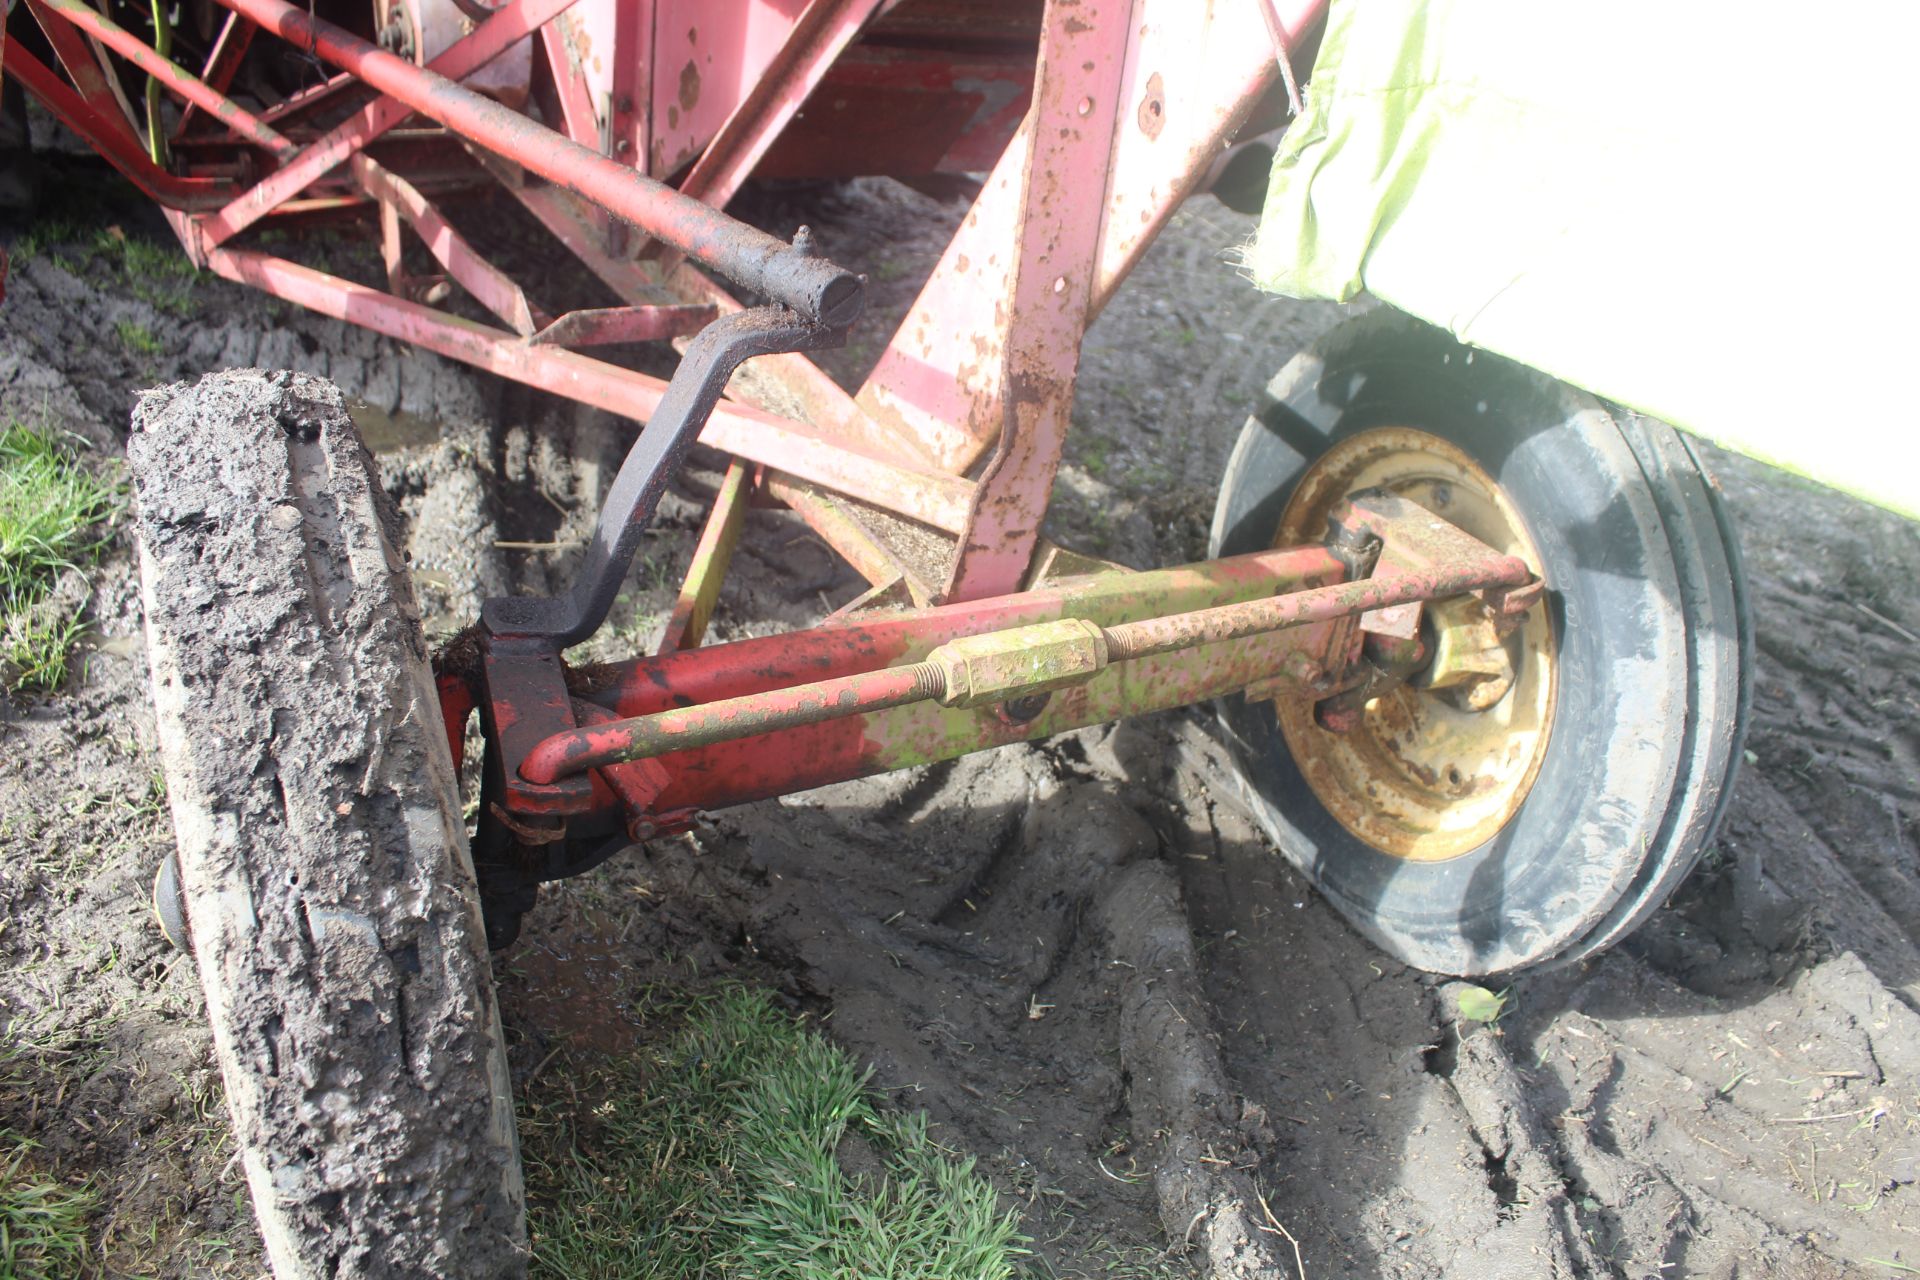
point(1525, 797)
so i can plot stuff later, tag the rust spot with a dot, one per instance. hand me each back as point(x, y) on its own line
point(961, 263)
point(689, 86)
point(1153, 107)
point(693, 35)
point(1077, 25)
point(673, 117)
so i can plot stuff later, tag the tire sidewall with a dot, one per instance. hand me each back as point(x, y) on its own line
point(1579, 837)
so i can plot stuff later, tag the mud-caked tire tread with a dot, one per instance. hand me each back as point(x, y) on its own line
point(329, 889)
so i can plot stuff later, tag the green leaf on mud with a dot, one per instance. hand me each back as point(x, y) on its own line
point(1480, 1005)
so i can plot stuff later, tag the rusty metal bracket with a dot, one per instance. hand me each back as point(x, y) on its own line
point(710, 360)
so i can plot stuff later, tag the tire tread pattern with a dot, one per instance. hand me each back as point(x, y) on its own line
point(329, 888)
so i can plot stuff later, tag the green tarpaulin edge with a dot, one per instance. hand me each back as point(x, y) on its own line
point(1676, 207)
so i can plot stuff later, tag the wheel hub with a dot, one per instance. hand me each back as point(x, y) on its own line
point(1434, 767)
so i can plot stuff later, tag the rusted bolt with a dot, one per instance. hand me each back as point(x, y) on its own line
point(1022, 710)
point(1336, 716)
point(1301, 667)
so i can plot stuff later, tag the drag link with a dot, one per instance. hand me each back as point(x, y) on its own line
point(998, 666)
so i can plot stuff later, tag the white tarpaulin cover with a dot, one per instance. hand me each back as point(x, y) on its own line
point(1706, 211)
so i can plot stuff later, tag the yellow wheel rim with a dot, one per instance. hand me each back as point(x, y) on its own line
point(1422, 777)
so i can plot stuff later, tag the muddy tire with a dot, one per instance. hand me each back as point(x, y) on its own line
point(328, 887)
point(1643, 653)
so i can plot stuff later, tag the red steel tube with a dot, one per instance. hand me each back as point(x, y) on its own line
point(229, 49)
point(685, 727)
point(928, 496)
point(1322, 604)
point(868, 642)
point(183, 83)
point(509, 25)
point(112, 139)
point(812, 286)
point(682, 728)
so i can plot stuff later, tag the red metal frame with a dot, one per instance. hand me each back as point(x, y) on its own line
point(1092, 142)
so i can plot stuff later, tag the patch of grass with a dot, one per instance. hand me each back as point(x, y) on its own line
point(137, 338)
point(1095, 452)
point(42, 236)
point(661, 574)
point(1151, 477)
point(1106, 1260)
point(43, 1222)
point(747, 1146)
point(54, 516)
point(158, 273)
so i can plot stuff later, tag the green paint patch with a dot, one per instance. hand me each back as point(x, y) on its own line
point(54, 519)
point(745, 1145)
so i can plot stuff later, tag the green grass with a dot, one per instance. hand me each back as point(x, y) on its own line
point(43, 237)
point(54, 516)
point(137, 338)
point(158, 273)
point(719, 1153)
point(43, 1222)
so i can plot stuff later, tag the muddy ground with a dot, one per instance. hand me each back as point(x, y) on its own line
point(1016, 941)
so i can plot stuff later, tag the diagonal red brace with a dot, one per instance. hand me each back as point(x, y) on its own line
point(812, 286)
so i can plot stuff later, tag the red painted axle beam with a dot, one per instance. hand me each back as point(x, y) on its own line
point(868, 642)
point(598, 746)
point(781, 761)
point(578, 750)
point(812, 286)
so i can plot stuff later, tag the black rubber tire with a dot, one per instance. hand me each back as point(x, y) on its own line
point(328, 886)
point(170, 905)
point(1652, 639)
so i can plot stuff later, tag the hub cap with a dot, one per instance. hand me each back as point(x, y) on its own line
point(1427, 775)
